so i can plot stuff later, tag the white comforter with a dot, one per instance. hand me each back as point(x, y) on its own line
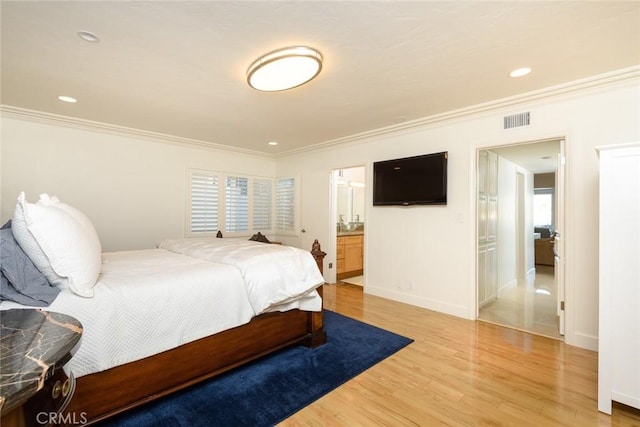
point(150, 301)
point(273, 274)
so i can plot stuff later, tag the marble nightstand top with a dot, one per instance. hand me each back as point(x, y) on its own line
point(33, 344)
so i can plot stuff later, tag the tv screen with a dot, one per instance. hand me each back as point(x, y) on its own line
point(419, 180)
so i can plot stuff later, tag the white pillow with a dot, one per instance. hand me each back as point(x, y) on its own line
point(29, 245)
point(68, 240)
point(78, 215)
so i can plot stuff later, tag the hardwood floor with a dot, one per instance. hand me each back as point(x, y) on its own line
point(461, 373)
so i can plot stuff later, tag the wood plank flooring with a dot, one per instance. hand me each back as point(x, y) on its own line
point(461, 373)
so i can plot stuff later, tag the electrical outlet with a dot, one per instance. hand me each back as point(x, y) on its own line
point(330, 265)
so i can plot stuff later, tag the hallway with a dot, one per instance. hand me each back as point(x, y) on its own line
point(529, 306)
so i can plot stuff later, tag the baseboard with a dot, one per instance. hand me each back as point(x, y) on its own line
point(585, 341)
point(411, 299)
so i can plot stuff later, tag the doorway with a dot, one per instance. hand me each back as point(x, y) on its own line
point(350, 224)
point(520, 282)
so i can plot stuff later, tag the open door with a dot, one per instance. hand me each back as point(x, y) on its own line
point(559, 241)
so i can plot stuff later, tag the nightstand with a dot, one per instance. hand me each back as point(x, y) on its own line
point(34, 347)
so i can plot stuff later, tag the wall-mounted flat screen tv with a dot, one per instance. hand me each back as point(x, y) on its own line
point(418, 180)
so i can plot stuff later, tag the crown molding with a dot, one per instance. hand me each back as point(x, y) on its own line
point(596, 81)
point(77, 123)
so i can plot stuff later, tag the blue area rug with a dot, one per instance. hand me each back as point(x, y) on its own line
point(271, 389)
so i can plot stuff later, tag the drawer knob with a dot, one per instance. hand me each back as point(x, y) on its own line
point(66, 386)
point(57, 388)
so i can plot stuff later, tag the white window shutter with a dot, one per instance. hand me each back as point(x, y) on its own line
point(262, 204)
point(203, 216)
point(236, 204)
point(285, 205)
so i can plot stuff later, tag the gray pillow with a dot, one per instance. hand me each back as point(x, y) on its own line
point(20, 280)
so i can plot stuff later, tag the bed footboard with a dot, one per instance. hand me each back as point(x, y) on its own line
point(118, 389)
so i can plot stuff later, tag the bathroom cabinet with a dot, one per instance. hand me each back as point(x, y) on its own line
point(349, 256)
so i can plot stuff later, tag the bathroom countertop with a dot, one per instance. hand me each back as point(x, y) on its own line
point(350, 233)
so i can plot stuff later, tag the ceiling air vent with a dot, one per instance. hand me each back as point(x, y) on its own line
point(517, 120)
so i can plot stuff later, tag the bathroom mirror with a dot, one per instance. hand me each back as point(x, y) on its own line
point(350, 206)
point(350, 195)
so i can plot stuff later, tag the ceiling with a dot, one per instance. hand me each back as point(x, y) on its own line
point(179, 68)
point(537, 157)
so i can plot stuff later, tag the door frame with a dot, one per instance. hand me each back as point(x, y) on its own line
point(562, 212)
point(333, 214)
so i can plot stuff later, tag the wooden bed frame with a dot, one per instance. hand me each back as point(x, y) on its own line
point(104, 394)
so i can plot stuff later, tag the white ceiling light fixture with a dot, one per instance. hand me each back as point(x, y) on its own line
point(68, 99)
point(520, 72)
point(284, 69)
point(272, 143)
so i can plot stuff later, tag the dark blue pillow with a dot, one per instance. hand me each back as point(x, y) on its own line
point(20, 280)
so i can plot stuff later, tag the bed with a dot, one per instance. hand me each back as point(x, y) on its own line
point(157, 353)
point(184, 312)
point(105, 393)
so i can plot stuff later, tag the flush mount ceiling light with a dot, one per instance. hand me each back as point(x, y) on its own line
point(284, 69)
point(520, 72)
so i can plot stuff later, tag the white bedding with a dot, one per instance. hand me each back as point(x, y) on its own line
point(273, 274)
point(151, 301)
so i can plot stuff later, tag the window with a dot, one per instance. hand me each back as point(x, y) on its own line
point(203, 202)
point(543, 207)
point(285, 205)
point(235, 204)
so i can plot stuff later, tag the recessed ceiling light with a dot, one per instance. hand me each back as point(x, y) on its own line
point(67, 99)
point(272, 143)
point(520, 72)
point(284, 69)
point(88, 36)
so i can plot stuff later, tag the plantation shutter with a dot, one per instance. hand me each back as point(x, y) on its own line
point(262, 204)
point(204, 202)
point(237, 204)
point(285, 205)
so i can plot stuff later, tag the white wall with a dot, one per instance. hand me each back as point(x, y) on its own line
point(507, 221)
point(507, 237)
point(132, 189)
point(425, 255)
